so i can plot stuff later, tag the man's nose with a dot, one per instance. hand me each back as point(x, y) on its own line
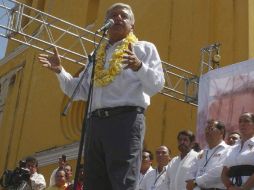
point(118, 17)
point(160, 153)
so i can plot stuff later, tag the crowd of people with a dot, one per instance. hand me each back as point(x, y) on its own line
point(225, 164)
point(28, 178)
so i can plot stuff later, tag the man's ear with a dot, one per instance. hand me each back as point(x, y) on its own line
point(192, 144)
point(132, 27)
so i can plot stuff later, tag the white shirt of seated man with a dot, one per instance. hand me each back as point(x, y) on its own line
point(146, 166)
point(206, 172)
point(180, 165)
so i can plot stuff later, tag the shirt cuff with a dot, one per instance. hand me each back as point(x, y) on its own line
point(142, 71)
point(61, 74)
point(199, 182)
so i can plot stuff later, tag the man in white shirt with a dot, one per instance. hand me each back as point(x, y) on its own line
point(233, 137)
point(238, 169)
point(205, 173)
point(180, 165)
point(127, 73)
point(146, 165)
point(37, 181)
point(156, 179)
point(61, 163)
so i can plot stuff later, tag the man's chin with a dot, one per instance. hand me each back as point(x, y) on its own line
point(182, 148)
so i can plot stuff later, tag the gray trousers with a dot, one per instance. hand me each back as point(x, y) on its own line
point(113, 151)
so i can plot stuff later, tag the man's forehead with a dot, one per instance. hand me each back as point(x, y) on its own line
point(145, 154)
point(234, 135)
point(31, 163)
point(183, 136)
point(245, 117)
point(119, 9)
point(162, 148)
point(211, 122)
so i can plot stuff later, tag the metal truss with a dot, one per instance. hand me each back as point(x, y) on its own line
point(180, 84)
point(42, 31)
point(210, 58)
point(34, 28)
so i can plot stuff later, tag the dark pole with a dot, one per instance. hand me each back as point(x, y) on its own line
point(82, 144)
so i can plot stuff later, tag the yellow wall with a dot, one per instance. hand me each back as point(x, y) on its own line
point(179, 28)
point(251, 28)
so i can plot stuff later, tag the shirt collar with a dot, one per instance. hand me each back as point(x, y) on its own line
point(222, 144)
point(114, 45)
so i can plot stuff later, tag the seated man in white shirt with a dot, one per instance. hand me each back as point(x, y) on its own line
point(233, 137)
point(146, 165)
point(179, 165)
point(206, 172)
point(156, 179)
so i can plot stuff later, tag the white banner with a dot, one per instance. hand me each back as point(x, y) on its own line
point(224, 94)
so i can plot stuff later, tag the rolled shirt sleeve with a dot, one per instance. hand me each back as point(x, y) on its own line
point(151, 73)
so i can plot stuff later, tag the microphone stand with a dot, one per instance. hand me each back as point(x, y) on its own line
point(91, 61)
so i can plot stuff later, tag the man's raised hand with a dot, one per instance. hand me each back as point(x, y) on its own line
point(131, 60)
point(51, 62)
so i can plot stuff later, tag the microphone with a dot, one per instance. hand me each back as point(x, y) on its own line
point(106, 25)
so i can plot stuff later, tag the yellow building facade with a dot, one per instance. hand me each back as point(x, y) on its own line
point(31, 99)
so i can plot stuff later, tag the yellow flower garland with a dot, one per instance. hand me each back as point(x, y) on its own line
point(102, 76)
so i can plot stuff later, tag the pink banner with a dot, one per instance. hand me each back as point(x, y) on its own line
point(224, 94)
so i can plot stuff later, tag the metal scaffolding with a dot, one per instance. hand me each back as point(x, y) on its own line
point(180, 84)
point(29, 26)
point(210, 58)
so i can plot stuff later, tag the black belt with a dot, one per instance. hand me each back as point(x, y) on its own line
point(108, 112)
point(241, 170)
point(236, 173)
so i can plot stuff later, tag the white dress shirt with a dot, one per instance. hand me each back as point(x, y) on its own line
point(178, 169)
point(155, 180)
point(129, 88)
point(52, 178)
point(208, 167)
point(241, 156)
point(142, 176)
point(37, 181)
